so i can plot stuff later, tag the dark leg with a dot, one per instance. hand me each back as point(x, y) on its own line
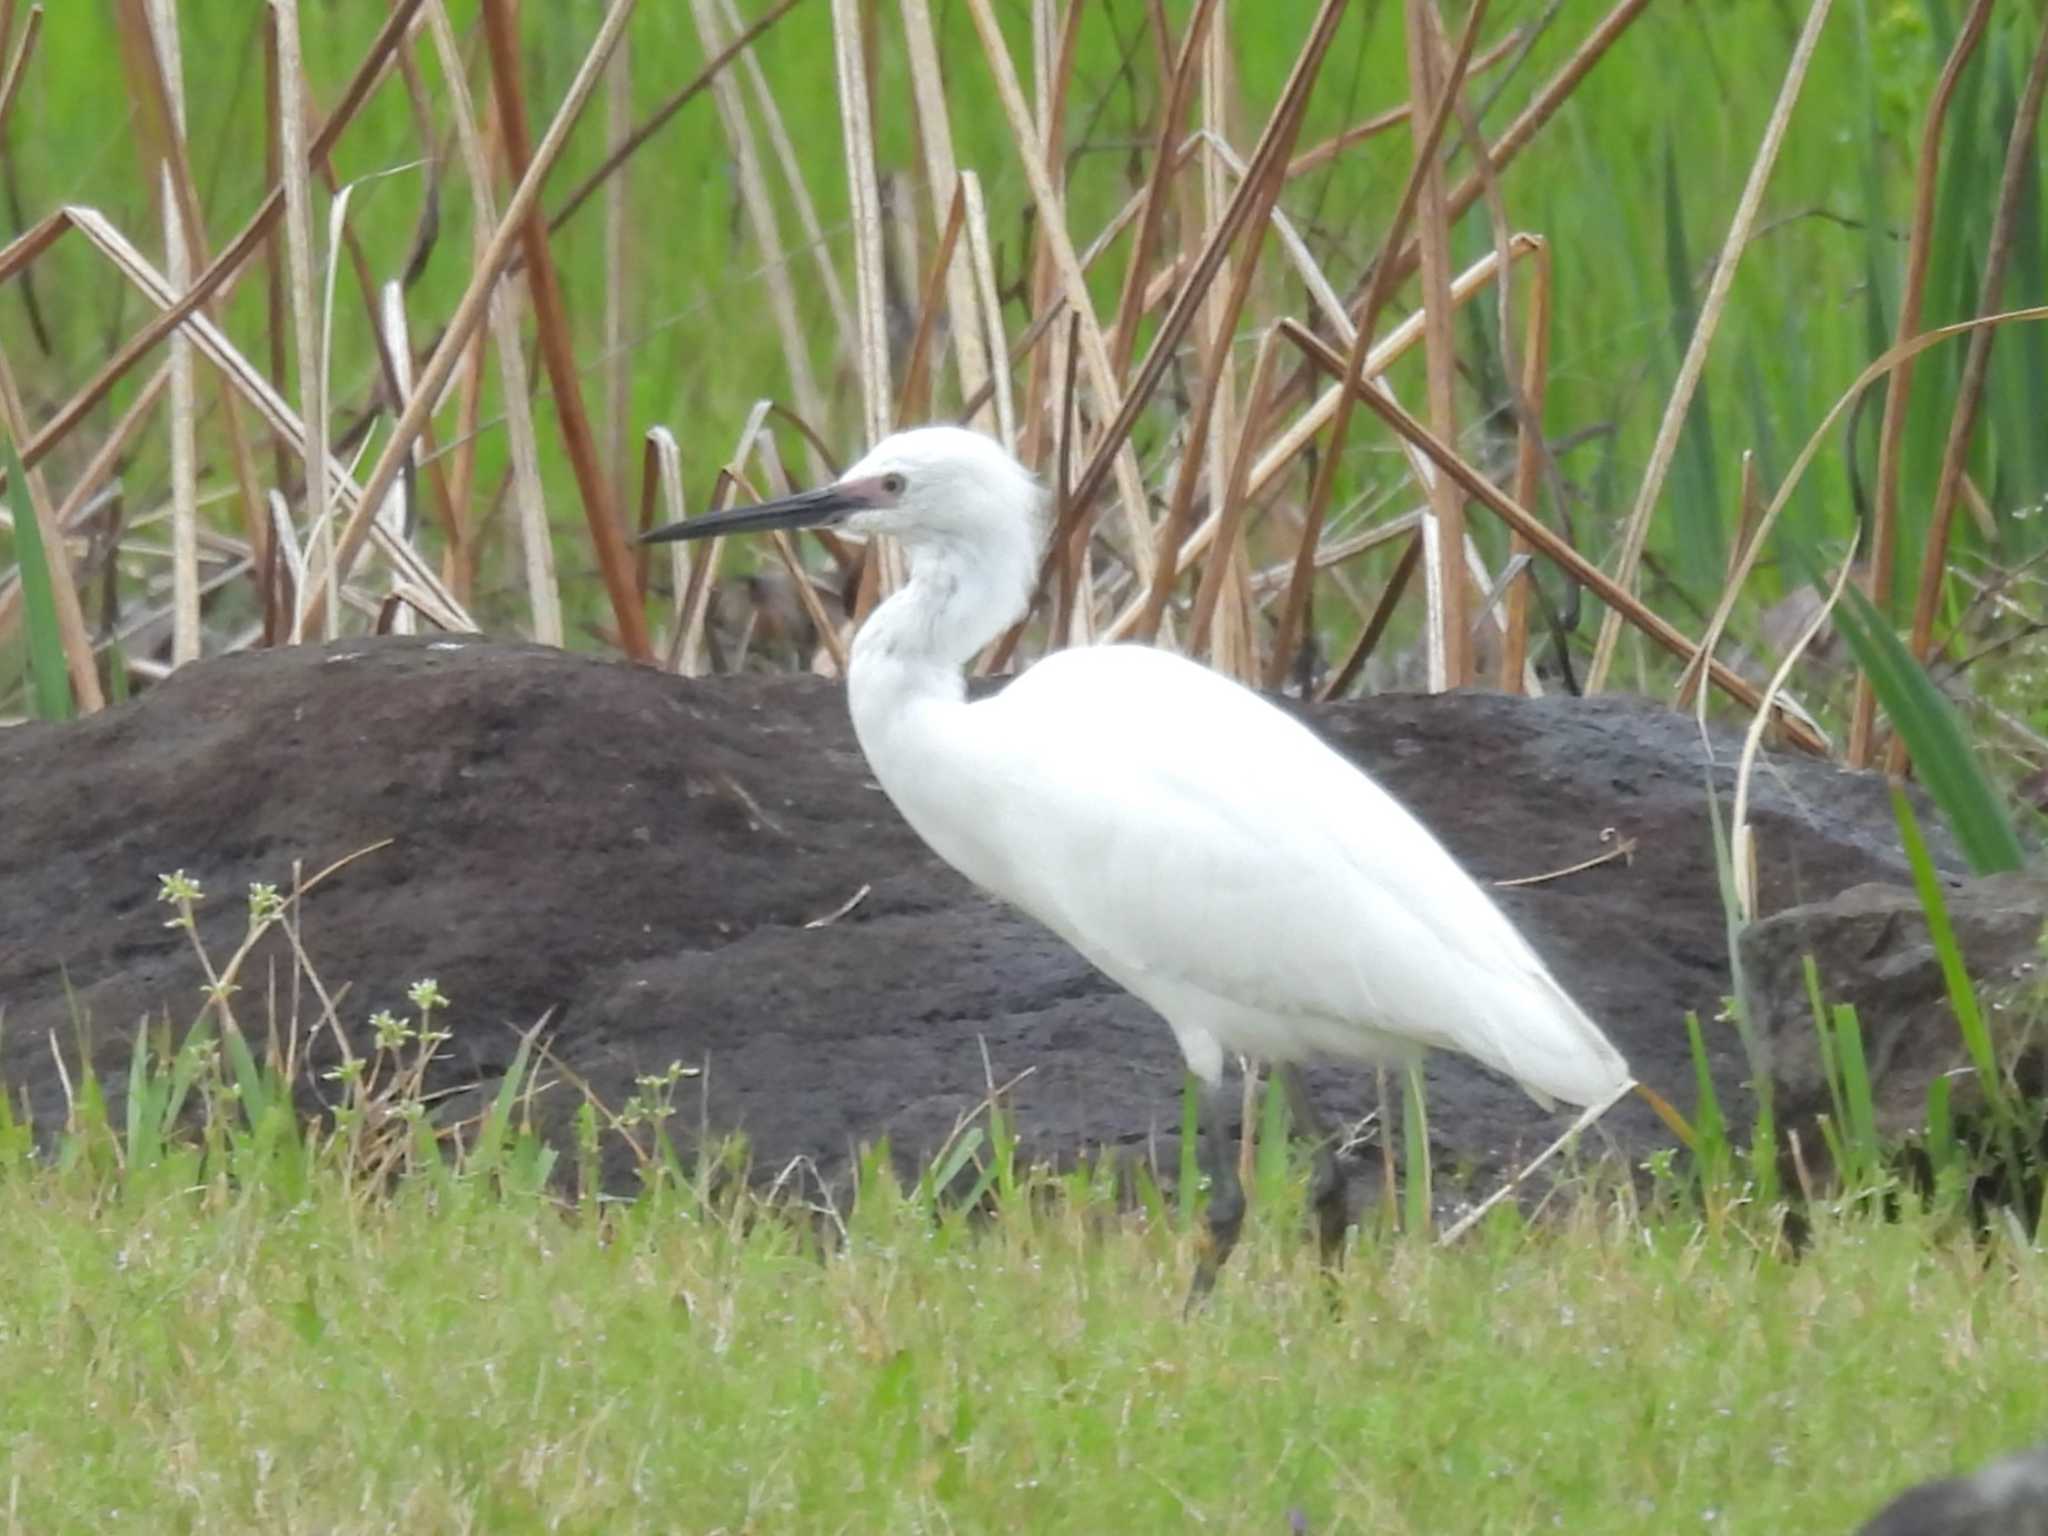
point(1225, 1218)
point(1326, 1177)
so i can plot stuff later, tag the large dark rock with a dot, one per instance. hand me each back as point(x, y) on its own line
point(2007, 1498)
point(1871, 949)
point(639, 856)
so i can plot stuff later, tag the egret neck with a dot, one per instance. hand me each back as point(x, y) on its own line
point(912, 652)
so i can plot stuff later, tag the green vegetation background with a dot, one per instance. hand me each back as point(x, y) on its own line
point(1633, 184)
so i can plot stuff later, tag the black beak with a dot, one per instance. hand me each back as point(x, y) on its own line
point(807, 509)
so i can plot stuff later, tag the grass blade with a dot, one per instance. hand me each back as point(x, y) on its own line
point(49, 680)
point(1921, 714)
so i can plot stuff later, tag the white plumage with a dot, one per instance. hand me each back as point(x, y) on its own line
point(1199, 845)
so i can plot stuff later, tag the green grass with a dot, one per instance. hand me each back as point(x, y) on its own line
point(183, 1359)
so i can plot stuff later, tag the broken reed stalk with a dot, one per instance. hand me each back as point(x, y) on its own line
point(1636, 530)
point(1891, 433)
point(2020, 164)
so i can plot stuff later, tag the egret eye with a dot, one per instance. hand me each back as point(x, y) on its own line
point(893, 484)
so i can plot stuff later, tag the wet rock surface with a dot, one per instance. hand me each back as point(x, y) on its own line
point(637, 857)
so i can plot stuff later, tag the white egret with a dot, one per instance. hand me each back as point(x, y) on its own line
point(1199, 845)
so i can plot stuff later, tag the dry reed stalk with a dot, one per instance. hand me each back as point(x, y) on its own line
point(761, 215)
point(2019, 166)
point(151, 54)
point(551, 319)
point(253, 387)
point(970, 356)
point(1741, 835)
point(85, 678)
point(1891, 433)
point(799, 578)
point(1285, 119)
point(618, 360)
point(1545, 542)
point(277, 306)
point(1881, 367)
point(1522, 131)
point(1368, 639)
point(295, 158)
point(871, 357)
point(914, 400)
point(989, 299)
point(185, 622)
point(1312, 160)
point(1045, 135)
point(1233, 504)
point(686, 642)
point(1150, 203)
point(1356, 368)
point(1113, 453)
point(662, 472)
point(1222, 429)
point(17, 63)
point(1398, 342)
point(1295, 439)
point(24, 249)
point(1450, 632)
point(1201, 449)
point(108, 453)
point(543, 592)
point(713, 68)
point(1529, 457)
point(399, 514)
point(1635, 530)
point(799, 194)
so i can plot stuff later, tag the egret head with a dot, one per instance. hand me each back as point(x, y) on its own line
point(936, 489)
